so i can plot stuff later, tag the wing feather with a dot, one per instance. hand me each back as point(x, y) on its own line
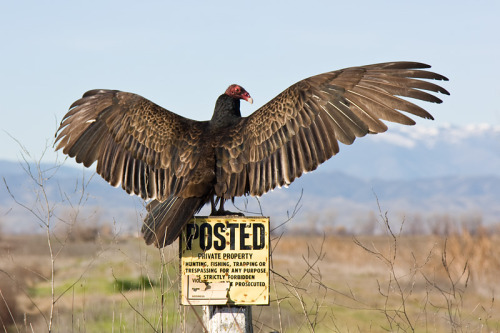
point(301, 127)
point(136, 143)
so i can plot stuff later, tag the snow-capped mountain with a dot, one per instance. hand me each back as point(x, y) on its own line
point(422, 152)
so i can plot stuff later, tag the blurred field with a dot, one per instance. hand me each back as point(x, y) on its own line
point(383, 283)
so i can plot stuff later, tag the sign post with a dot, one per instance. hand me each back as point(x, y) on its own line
point(223, 318)
point(224, 264)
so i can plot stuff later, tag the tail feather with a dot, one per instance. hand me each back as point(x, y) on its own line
point(165, 220)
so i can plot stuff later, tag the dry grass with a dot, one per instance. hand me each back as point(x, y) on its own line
point(320, 284)
point(389, 283)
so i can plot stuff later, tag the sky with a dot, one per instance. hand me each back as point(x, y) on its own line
point(182, 55)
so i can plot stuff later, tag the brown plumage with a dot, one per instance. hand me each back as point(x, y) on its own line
point(183, 164)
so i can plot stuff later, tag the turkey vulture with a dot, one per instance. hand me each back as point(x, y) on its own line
point(182, 164)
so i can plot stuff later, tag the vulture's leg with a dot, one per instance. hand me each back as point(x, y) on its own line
point(222, 212)
point(212, 203)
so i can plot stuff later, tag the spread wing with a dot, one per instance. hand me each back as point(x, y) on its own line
point(300, 128)
point(151, 151)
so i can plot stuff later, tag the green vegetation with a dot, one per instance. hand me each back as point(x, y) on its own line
point(367, 284)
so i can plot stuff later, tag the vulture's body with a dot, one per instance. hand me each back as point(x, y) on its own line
point(183, 164)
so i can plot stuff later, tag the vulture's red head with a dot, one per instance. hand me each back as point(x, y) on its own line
point(237, 91)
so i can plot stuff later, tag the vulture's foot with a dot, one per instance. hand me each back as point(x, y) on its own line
point(225, 213)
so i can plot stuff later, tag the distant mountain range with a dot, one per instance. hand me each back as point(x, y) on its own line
point(413, 152)
point(413, 173)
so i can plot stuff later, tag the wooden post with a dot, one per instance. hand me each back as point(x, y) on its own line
point(225, 318)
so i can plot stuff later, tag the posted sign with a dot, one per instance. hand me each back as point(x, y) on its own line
point(225, 260)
